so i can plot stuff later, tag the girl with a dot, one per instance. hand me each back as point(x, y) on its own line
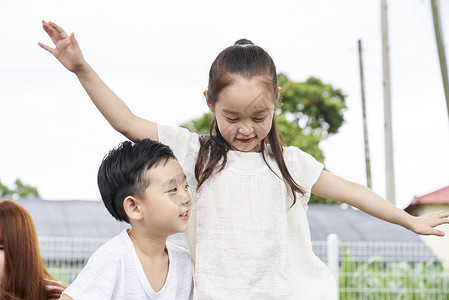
point(22, 271)
point(249, 236)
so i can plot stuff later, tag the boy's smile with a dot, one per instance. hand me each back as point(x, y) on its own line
point(167, 202)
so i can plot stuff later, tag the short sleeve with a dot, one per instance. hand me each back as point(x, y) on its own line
point(180, 140)
point(97, 279)
point(185, 145)
point(304, 168)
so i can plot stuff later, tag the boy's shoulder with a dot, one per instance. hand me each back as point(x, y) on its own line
point(114, 249)
point(103, 275)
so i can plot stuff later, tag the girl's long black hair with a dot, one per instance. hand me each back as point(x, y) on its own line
point(243, 59)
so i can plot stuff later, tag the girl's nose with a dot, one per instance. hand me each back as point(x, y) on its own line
point(246, 130)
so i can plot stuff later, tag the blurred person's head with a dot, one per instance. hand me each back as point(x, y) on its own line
point(22, 271)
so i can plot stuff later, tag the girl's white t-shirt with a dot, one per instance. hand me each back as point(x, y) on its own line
point(114, 271)
point(245, 240)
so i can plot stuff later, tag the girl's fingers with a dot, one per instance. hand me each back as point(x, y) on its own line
point(444, 214)
point(438, 215)
point(49, 49)
point(55, 32)
point(438, 232)
point(441, 222)
point(73, 39)
point(46, 28)
point(59, 29)
point(51, 32)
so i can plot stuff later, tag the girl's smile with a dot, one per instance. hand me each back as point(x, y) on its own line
point(244, 113)
point(245, 141)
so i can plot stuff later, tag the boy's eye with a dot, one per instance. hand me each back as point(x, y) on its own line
point(186, 186)
point(173, 190)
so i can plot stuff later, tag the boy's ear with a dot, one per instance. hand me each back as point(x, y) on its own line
point(132, 209)
point(279, 92)
point(209, 103)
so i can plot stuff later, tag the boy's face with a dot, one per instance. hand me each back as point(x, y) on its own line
point(166, 202)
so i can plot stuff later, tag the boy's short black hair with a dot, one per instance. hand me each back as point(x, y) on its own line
point(122, 172)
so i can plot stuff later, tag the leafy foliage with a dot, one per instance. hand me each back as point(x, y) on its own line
point(22, 190)
point(315, 106)
point(310, 112)
point(200, 125)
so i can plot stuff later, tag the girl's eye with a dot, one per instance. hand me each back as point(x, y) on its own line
point(1, 248)
point(232, 120)
point(259, 119)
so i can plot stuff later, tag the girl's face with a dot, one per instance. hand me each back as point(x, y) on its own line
point(244, 113)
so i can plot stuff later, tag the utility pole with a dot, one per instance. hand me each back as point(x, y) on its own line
point(365, 127)
point(440, 45)
point(389, 162)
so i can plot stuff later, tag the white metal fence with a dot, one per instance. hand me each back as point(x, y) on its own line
point(64, 257)
point(386, 270)
point(366, 270)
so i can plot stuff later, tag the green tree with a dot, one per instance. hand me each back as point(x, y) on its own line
point(310, 112)
point(317, 107)
point(21, 189)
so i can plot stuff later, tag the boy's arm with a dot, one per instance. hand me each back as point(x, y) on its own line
point(116, 112)
point(65, 297)
point(338, 189)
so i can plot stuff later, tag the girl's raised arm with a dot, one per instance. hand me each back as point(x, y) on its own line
point(116, 112)
point(338, 189)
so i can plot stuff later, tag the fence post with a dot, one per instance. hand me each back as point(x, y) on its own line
point(332, 258)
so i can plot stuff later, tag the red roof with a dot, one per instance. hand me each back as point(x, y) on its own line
point(440, 196)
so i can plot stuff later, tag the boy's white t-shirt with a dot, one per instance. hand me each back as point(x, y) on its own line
point(245, 240)
point(114, 271)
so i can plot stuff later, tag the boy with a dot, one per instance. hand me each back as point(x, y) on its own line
point(144, 185)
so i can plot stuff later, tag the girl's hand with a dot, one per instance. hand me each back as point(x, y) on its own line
point(425, 224)
point(67, 50)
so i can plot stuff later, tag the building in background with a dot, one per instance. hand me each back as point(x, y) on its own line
point(434, 201)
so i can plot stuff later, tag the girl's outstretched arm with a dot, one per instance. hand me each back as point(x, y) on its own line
point(108, 103)
point(338, 189)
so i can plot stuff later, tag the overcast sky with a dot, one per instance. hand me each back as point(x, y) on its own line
point(156, 55)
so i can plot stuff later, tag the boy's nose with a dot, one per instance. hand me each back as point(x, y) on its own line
point(186, 200)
